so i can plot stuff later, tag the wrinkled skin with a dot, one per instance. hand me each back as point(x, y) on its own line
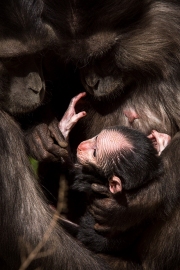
point(100, 148)
point(52, 145)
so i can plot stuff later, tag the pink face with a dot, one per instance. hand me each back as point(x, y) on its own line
point(102, 151)
point(101, 148)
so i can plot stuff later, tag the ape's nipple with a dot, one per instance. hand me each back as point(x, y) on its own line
point(131, 115)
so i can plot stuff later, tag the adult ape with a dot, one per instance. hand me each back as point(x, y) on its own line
point(24, 39)
point(26, 216)
point(129, 63)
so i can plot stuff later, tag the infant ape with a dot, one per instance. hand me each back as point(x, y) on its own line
point(125, 160)
point(122, 151)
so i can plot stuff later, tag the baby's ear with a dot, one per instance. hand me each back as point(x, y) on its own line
point(115, 184)
point(159, 140)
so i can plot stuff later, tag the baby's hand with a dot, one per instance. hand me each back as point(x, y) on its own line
point(70, 117)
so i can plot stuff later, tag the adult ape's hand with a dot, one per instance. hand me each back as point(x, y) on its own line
point(45, 142)
point(48, 141)
point(105, 210)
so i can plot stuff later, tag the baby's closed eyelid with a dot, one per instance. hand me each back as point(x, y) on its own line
point(95, 147)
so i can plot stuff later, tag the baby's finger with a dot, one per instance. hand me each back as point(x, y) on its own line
point(75, 99)
point(74, 119)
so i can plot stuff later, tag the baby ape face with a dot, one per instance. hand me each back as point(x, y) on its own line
point(102, 149)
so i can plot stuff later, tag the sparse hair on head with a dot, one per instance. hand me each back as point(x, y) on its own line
point(137, 164)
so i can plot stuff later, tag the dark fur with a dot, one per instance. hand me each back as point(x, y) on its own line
point(25, 214)
point(24, 16)
point(141, 163)
point(144, 59)
point(23, 36)
point(137, 169)
point(128, 56)
point(144, 217)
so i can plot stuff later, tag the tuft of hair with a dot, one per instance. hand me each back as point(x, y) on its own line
point(138, 164)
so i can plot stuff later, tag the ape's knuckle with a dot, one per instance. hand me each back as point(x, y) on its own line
point(45, 155)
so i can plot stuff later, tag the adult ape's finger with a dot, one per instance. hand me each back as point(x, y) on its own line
point(101, 228)
point(100, 189)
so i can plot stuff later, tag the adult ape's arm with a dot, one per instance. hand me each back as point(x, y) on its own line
point(26, 217)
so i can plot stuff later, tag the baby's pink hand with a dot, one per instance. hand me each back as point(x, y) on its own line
point(70, 118)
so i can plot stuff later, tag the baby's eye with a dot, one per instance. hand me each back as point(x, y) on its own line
point(94, 152)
